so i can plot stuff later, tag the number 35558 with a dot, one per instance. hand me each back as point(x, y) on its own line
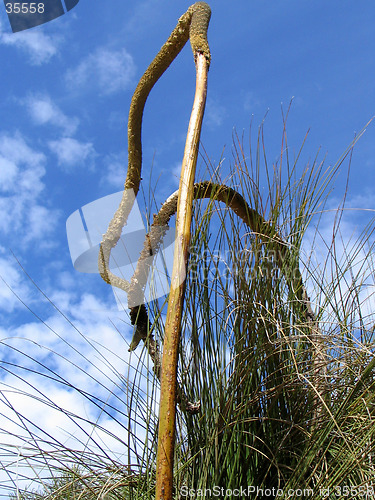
point(24, 8)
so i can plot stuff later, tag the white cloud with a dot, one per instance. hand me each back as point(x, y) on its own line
point(111, 71)
point(361, 201)
point(93, 357)
point(22, 169)
point(215, 113)
point(88, 350)
point(17, 150)
point(251, 102)
point(176, 172)
point(12, 284)
point(115, 170)
point(39, 47)
point(44, 111)
point(8, 173)
point(41, 223)
point(54, 421)
point(70, 151)
point(339, 268)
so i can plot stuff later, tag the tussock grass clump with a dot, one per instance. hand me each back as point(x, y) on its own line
point(277, 347)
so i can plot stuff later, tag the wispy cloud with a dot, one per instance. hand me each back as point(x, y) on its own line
point(215, 113)
point(115, 170)
point(338, 264)
point(251, 101)
point(11, 284)
point(8, 173)
point(176, 172)
point(70, 152)
point(44, 111)
point(111, 71)
point(15, 148)
point(88, 372)
point(22, 169)
point(39, 47)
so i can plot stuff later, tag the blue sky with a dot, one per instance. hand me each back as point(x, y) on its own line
point(65, 89)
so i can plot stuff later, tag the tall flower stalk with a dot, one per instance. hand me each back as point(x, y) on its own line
point(168, 396)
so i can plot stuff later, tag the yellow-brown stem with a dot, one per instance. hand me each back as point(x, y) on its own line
point(167, 414)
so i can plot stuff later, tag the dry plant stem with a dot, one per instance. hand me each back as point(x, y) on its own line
point(193, 24)
point(319, 361)
point(168, 393)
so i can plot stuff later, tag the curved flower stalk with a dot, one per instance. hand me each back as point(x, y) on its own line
point(193, 24)
point(256, 223)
